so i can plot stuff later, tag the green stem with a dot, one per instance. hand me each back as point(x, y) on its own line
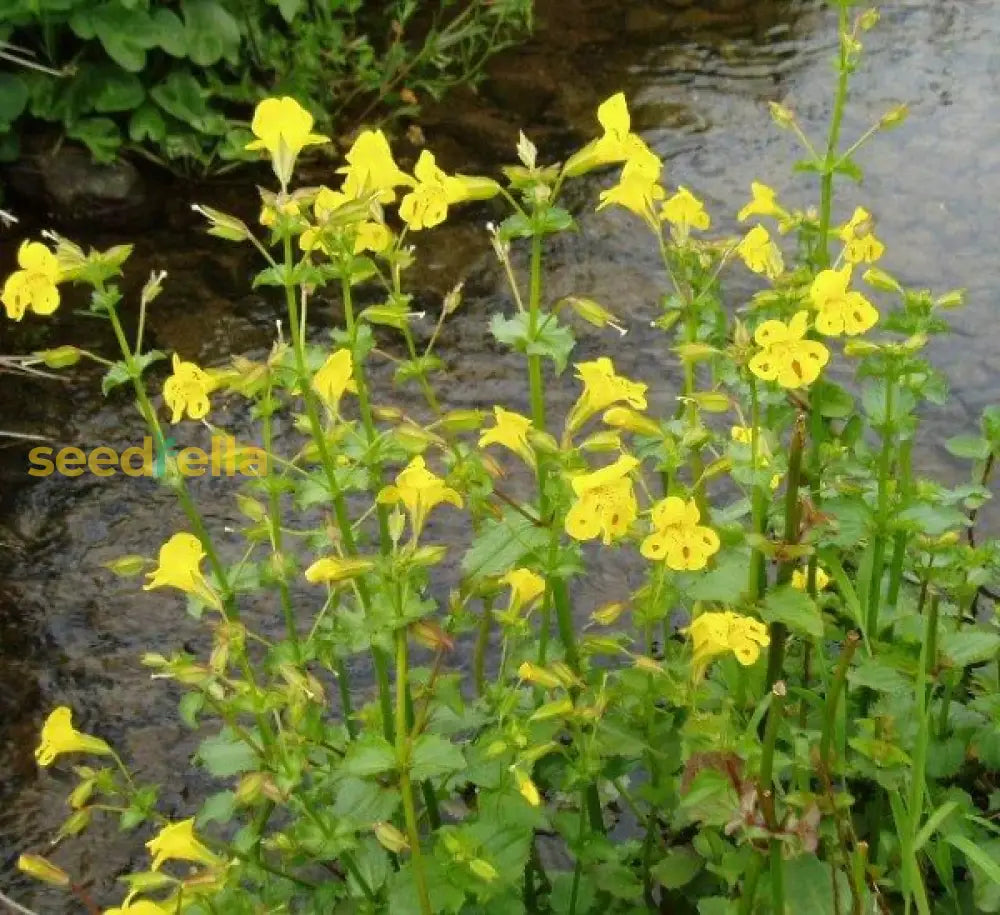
point(833, 699)
point(882, 512)
point(405, 784)
point(757, 581)
point(347, 708)
point(482, 645)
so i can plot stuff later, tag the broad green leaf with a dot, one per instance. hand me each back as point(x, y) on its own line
point(227, 754)
point(680, 866)
point(170, 34)
point(549, 338)
point(972, 447)
point(100, 135)
point(212, 32)
point(147, 123)
point(796, 609)
point(503, 544)
point(725, 584)
point(434, 757)
point(970, 646)
point(183, 97)
point(218, 808)
point(369, 756)
point(118, 91)
point(872, 673)
point(932, 520)
point(13, 97)
point(808, 888)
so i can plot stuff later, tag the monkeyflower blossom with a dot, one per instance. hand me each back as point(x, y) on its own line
point(525, 586)
point(427, 204)
point(334, 377)
point(419, 490)
point(144, 907)
point(34, 286)
point(59, 736)
point(283, 129)
point(800, 579)
point(762, 203)
point(605, 503)
point(371, 169)
point(638, 187)
point(603, 387)
point(617, 144)
point(760, 254)
point(839, 310)
point(677, 538)
point(510, 429)
point(714, 634)
point(684, 212)
point(177, 842)
point(333, 569)
point(860, 244)
point(785, 355)
point(187, 390)
point(179, 566)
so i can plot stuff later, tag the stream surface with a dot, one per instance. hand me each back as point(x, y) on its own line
point(698, 76)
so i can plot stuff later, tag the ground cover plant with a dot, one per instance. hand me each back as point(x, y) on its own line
point(173, 81)
point(794, 712)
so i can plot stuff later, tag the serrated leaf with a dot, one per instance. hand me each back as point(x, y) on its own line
point(796, 609)
point(678, 868)
point(434, 757)
point(872, 673)
point(549, 338)
point(227, 754)
point(369, 756)
point(970, 646)
point(502, 544)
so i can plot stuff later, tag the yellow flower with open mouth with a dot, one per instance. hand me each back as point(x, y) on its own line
point(786, 356)
point(602, 387)
point(714, 634)
point(638, 187)
point(617, 144)
point(371, 169)
point(283, 129)
point(334, 569)
point(760, 254)
point(143, 907)
point(860, 244)
point(335, 377)
point(839, 310)
point(59, 737)
point(762, 203)
point(177, 842)
point(684, 212)
point(677, 538)
point(510, 429)
point(187, 390)
point(427, 204)
point(419, 490)
point(605, 503)
point(525, 586)
point(34, 286)
point(800, 579)
point(179, 567)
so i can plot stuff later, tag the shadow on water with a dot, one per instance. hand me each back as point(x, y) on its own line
point(699, 75)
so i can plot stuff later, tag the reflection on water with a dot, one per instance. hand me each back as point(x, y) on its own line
point(699, 75)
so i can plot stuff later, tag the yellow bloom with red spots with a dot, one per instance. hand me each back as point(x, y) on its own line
point(335, 377)
point(510, 429)
point(187, 390)
point(617, 144)
point(840, 310)
point(785, 355)
point(684, 212)
point(34, 286)
point(800, 579)
point(858, 235)
point(605, 503)
point(760, 253)
point(762, 203)
point(714, 634)
point(602, 387)
point(427, 204)
point(678, 539)
point(179, 566)
point(419, 491)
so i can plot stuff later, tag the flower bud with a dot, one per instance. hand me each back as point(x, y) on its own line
point(608, 613)
point(868, 19)
point(483, 869)
point(61, 357)
point(41, 869)
point(781, 115)
point(462, 420)
point(223, 225)
point(711, 401)
point(127, 566)
point(631, 421)
point(390, 838)
point(532, 673)
point(953, 299)
point(894, 117)
point(860, 348)
point(881, 280)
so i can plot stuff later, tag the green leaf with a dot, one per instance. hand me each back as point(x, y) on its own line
point(363, 801)
point(434, 757)
point(833, 401)
point(189, 707)
point(147, 123)
point(212, 32)
point(170, 34)
point(972, 447)
point(183, 97)
point(725, 584)
point(807, 887)
point(13, 97)
point(503, 544)
point(796, 609)
point(118, 91)
point(549, 339)
point(369, 756)
point(218, 808)
point(227, 754)
point(289, 9)
point(932, 520)
point(933, 822)
point(125, 34)
point(678, 868)
point(980, 860)
point(872, 673)
point(100, 135)
point(970, 646)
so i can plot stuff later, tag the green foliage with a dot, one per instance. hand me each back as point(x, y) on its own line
point(174, 80)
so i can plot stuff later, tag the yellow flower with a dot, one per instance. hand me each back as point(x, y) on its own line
point(760, 254)
point(617, 144)
point(34, 285)
point(637, 188)
point(371, 169)
point(684, 211)
point(283, 128)
point(178, 842)
point(860, 244)
point(187, 390)
point(527, 788)
point(713, 634)
point(510, 429)
point(678, 539)
point(427, 204)
point(605, 502)
point(143, 907)
point(420, 491)
point(372, 236)
point(335, 568)
point(524, 585)
point(179, 567)
point(838, 310)
point(761, 204)
point(741, 434)
point(800, 579)
point(59, 736)
point(785, 355)
point(602, 388)
point(334, 377)
point(631, 421)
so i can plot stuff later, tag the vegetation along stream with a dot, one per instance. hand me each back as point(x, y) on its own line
point(699, 75)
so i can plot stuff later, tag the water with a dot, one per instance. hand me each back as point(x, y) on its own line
point(699, 75)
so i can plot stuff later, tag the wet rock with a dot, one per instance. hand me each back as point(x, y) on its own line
point(521, 85)
point(71, 187)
